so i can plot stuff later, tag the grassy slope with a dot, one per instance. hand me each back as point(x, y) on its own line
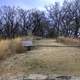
point(63, 60)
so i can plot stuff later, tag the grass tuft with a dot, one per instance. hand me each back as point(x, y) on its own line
point(9, 47)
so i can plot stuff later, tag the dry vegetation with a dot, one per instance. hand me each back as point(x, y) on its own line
point(60, 60)
point(10, 47)
point(46, 60)
point(69, 41)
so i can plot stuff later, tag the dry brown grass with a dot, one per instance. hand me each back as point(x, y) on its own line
point(8, 47)
point(16, 45)
point(59, 60)
point(69, 41)
point(4, 48)
point(47, 60)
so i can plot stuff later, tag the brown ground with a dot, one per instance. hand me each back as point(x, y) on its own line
point(47, 60)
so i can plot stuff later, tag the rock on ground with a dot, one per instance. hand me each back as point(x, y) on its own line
point(37, 77)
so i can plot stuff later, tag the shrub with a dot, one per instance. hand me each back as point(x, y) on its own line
point(9, 47)
point(4, 48)
point(16, 46)
point(69, 41)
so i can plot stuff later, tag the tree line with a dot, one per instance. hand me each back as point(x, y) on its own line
point(57, 20)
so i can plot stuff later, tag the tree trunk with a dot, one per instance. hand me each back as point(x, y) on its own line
point(77, 27)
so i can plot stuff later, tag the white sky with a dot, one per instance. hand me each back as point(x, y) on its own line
point(28, 4)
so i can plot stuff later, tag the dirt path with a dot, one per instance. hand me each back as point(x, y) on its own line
point(44, 60)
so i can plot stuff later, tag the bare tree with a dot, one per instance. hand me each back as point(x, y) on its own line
point(55, 14)
point(9, 18)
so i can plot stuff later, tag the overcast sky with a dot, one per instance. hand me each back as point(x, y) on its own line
point(28, 4)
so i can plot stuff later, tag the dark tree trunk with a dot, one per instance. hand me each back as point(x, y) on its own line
point(77, 27)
